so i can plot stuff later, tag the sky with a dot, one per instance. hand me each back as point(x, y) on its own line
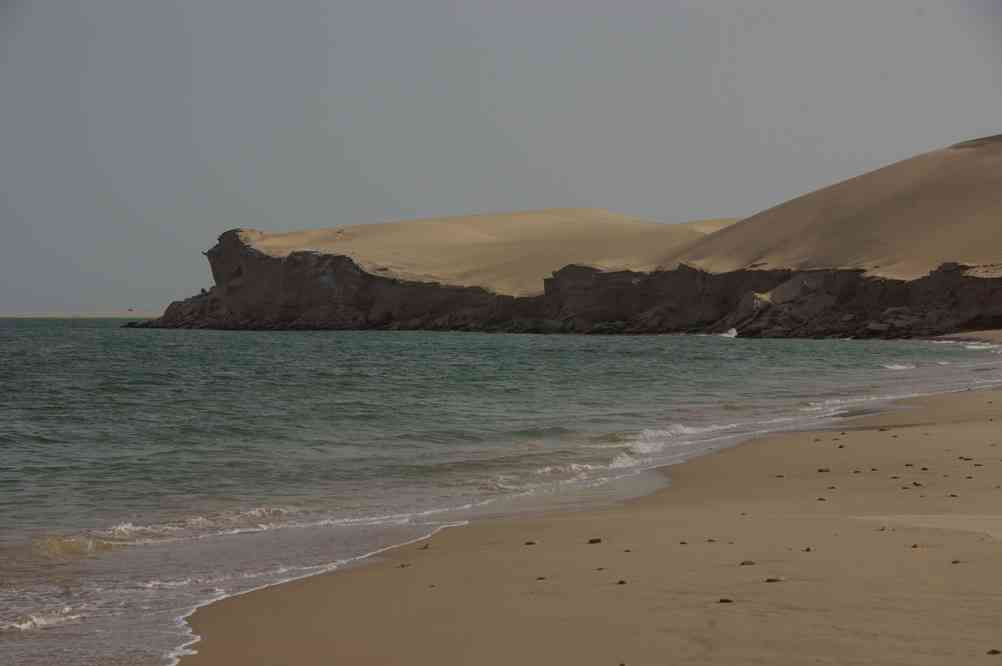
point(133, 133)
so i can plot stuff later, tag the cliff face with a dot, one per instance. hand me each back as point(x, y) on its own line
point(315, 290)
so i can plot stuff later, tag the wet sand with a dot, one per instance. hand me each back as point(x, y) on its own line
point(873, 543)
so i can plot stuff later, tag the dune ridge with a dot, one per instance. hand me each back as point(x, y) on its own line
point(508, 253)
point(900, 221)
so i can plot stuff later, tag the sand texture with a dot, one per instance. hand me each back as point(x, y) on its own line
point(506, 253)
point(899, 221)
point(873, 543)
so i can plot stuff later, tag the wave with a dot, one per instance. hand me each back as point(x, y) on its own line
point(226, 522)
point(71, 546)
point(42, 620)
point(128, 534)
point(572, 468)
point(898, 366)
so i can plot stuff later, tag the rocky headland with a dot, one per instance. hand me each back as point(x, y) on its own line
point(314, 290)
point(911, 249)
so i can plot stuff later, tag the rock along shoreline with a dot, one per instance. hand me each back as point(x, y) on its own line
point(310, 290)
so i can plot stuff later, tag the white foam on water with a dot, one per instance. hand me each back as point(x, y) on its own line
point(898, 366)
point(129, 534)
point(42, 620)
point(572, 468)
point(623, 460)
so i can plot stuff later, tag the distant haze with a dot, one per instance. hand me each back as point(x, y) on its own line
point(133, 133)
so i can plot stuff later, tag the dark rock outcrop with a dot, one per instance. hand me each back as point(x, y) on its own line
point(313, 290)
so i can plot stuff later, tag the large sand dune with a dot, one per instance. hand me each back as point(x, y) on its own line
point(506, 253)
point(899, 221)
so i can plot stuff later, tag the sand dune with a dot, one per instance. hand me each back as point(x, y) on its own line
point(899, 221)
point(507, 253)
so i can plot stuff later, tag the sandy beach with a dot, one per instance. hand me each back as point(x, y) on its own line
point(876, 542)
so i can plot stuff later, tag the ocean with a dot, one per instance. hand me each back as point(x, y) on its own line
point(146, 472)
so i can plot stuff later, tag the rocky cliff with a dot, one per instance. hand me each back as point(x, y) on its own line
point(319, 290)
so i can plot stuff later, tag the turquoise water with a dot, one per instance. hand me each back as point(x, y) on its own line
point(145, 472)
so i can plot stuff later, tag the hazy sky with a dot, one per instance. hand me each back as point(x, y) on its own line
point(133, 133)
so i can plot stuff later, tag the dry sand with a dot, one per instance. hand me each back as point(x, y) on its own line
point(875, 543)
point(899, 221)
point(507, 253)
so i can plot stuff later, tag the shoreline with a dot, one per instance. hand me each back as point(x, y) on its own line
point(222, 627)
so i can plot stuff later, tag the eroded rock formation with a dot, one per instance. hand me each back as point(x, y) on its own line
point(316, 290)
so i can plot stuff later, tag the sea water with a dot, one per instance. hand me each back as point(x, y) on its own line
point(146, 472)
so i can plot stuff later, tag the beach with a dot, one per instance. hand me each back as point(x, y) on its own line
point(872, 542)
point(278, 456)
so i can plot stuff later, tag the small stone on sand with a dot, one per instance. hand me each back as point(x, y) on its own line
point(725, 600)
point(594, 540)
point(747, 563)
point(775, 579)
point(530, 543)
